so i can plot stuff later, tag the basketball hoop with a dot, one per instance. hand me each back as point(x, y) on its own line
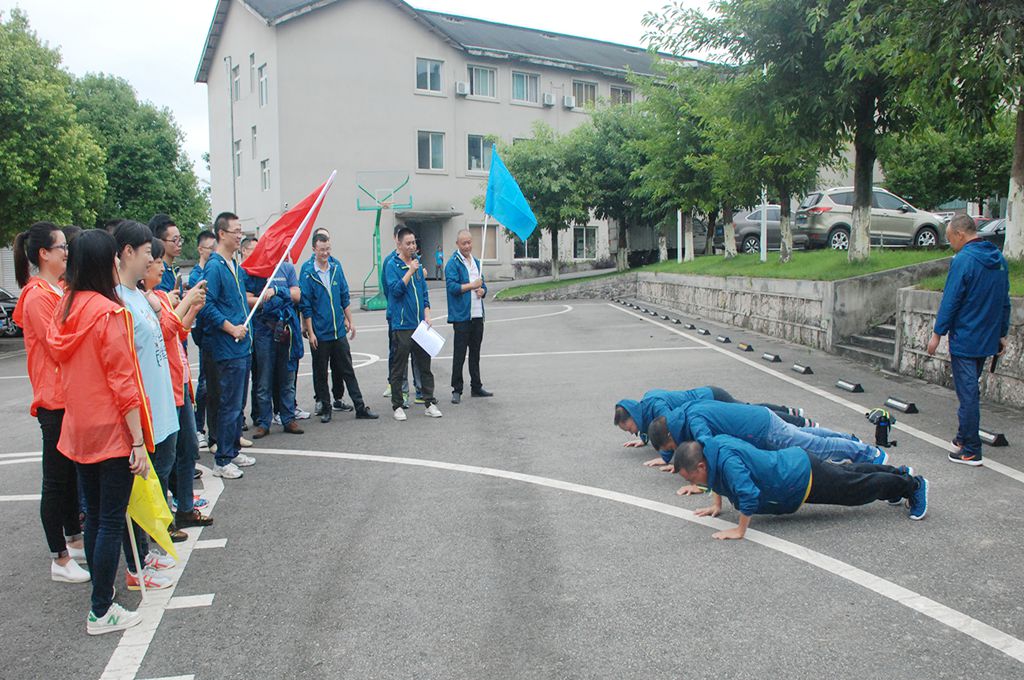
point(386, 205)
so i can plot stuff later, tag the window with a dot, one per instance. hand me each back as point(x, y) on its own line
point(428, 75)
point(430, 150)
point(265, 174)
point(622, 95)
point(584, 243)
point(886, 201)
point(773, 215)
point(492, 240)
point(585, 93)
point(481, 81)
point(236, 85)
point(261, 75)
point(252, 72)
point(236, 157)
point(525, 87)
point(479, 154)
point(842, 198)
point(519, 140)
point(528, 249)
point(254, 142)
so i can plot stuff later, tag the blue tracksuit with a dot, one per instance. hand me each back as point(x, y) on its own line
point(168, 278)
point(456, 274)
point(324, 305)
point(225, 301)
point(757, 482)
point(975, 308)
point(406, 301)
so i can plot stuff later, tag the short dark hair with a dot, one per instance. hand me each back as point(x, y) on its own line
point(134, 234)
point(91, 266)
point(158, 248)
point(110, 226)
point(159, 224)
point(688, 456)
point(621, 414)
point(399, 227)
point(403, 232)
point(71, 232)
point(964, 224)
point(657, 433)
point(249, 239)
point(320, 237)
point(222, 222)
point(204, 235)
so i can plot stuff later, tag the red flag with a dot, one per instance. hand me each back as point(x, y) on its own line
point(272, 245)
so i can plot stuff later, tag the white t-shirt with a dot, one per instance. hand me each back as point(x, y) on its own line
point(476, 303)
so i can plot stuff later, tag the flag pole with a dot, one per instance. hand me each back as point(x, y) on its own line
point(139, 566)
point(291, 243)
point(483, 244)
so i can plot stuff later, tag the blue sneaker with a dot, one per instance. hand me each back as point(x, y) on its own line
point(919, 499)
point(903, 470)
point(881, 457)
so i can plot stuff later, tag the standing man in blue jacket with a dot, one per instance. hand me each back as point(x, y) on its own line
point(975, 312)
point(759, 482)
point(208, 387)
point(464, 283)
point(164, 228)
point(325, 303)
point(408, 305)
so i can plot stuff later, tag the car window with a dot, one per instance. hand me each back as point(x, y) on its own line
point(810, 200)
point(773, 214)
point(992, 227)
point(842, 197)
point(885, 201)
point(754, 216)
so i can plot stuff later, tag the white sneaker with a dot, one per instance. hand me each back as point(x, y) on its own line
point(117, 618)
point(68, 573)
point(155, 560)
point(213, 449)
point(201, 440)
point(242, 460)
point(229, 471)
point(276, 420)
point(301, 415)
point(433, 412)
point(400, 414)
point(387, 391)
point(77, 554)
point(244, 443)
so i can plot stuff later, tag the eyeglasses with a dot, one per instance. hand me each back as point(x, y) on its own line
point(177, 240)
point(61, 246)
point(233, 232)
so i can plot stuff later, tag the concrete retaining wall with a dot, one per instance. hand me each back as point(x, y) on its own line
point(602, 289)
point(915, 318)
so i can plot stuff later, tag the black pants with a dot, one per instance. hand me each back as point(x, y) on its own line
point(468, 335)
point(718, 394)
point(212, 396)
point(856, 484)
point(338, 356)
point(58, 506)
point(401, 342)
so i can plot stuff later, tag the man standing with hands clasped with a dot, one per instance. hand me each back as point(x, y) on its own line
point(408, 304)
point(975, 311)
point(466, 290)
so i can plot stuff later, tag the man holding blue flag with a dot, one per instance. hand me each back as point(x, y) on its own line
point(464, 283)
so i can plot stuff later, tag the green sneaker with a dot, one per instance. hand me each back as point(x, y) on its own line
point(387, 391)
point(117, 618)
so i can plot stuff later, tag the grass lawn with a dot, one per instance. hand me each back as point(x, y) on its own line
point(816, 265)
point(1016, 280)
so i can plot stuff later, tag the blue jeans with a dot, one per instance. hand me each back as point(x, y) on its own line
point(966, 374)
point(106, 487)
point(163, 460)
point(187, 450)
point(201, 396)
point(273, 373)
point(234, 383)
point(836, 448)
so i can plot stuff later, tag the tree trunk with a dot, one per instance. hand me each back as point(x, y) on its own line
point(662, 247)
point(1014, 247)
point(785, 226)
point(863, 174)
point(709, 245)
point(687, 237)
point(730, 231)
point(554, 254)
point(622, 253)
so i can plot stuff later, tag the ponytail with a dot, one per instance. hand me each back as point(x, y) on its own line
point(26, 248)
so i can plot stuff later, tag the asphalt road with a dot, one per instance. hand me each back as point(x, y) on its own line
point(516, 538)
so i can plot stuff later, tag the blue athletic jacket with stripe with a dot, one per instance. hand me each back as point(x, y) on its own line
point(406, 301)
point(701, 420)
point(325, 305)
point(755, 481)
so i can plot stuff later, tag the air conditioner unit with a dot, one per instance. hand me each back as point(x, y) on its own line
point(569, 102)
point(462, 88)
point(549, 99)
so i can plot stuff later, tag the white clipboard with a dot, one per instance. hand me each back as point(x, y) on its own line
point(429, 339)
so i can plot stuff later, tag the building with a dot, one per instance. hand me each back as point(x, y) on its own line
point(298, 88)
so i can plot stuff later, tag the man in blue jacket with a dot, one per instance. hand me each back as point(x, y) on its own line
point(164, 228)
point(757, 425)
point(207, 390)
point(408, 305)
point(759, 482)
point(464, 283)
point(975, 311)
point(325, 303)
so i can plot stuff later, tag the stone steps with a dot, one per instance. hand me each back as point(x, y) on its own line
point(865, 355)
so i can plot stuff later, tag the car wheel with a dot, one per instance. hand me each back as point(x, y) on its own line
point(926, 238)
point(839, 239)
point(751, 244)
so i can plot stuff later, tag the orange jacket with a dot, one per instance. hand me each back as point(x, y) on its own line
point(101, 378)
point(33, 313)
point(174, 333)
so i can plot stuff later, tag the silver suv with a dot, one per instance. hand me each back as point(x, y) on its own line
point(826, 217)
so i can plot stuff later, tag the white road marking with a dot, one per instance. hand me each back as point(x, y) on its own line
point(23, 454)
point(913, 431)
point(207, 543)
point(586, 351)
point(958, 621)
point(21, 497)
point(565, 309)
point(20, 460)
point(176, 677)
point(189, 601)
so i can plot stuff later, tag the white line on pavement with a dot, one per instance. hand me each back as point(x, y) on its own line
point(993, 637)
point(20, 460)
point(912, 431)
point(176, 677)
point(21, 497)
point(565, 309)
point(189, 601)
point(586, 351)
point(210, 543)
point(23, 454)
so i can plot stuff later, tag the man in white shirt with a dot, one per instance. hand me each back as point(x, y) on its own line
point(466, 290)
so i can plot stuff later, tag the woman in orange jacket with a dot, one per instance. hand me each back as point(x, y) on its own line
point(107, 429)
point(43, 247)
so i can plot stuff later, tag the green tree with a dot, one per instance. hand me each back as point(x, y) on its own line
point(50, 166)
point(546, 169)
point(147, 169)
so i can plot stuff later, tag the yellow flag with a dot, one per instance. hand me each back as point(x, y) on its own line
point(148, 508)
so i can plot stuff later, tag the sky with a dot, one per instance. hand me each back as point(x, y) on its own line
point(156, 45)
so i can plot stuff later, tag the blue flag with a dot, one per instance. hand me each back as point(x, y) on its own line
point(505, 200)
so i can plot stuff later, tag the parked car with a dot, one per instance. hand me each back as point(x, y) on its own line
point(8, 328)
point(826, 218)
point(994, 231)
point(748, 231)
point(639, 257)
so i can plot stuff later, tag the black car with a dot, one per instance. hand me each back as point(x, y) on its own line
point(994, 232)
point(8, 328)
